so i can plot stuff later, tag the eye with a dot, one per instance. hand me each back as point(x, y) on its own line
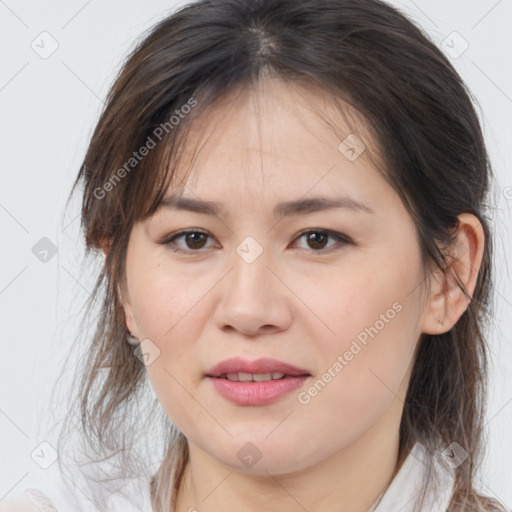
point(317, 239)
point(193, 239)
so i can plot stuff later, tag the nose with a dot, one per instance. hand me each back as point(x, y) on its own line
point(254, 299)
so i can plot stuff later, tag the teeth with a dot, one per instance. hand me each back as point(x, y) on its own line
point(260, 377)
point(256, 377)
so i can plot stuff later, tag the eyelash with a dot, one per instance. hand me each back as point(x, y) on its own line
point(170, 240)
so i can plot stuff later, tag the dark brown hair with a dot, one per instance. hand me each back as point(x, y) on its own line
point(368, 56)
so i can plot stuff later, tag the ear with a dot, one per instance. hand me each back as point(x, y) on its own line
point(122, 293)
point(128, 313)
point(447, 301)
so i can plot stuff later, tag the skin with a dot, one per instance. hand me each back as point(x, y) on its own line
point(300, 302)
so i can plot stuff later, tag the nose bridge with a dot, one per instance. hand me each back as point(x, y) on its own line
point(250, 275)
point(252, 296)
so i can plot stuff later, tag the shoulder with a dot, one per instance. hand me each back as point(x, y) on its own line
point(31, 498)
point(53, 491)
point(34, 500)
point(18, 505)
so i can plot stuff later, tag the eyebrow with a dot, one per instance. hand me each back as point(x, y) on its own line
point(296, 207)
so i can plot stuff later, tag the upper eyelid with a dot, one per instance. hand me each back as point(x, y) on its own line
point(179, 234)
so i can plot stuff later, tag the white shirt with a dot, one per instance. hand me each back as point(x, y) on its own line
point(404, 491)
point(49, 493)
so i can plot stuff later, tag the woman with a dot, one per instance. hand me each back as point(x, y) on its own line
point(289, 199)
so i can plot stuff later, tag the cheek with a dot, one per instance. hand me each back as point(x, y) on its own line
point(360, 380)
point(161, 298)
point(167, 307)
point(375, 319)
point(376, 300)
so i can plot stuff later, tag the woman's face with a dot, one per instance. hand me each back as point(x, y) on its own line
point(257, 281)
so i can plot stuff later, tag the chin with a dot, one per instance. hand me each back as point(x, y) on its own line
point(259, 455)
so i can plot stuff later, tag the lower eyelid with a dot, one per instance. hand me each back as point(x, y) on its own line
point(181, 235)
point(339, 237)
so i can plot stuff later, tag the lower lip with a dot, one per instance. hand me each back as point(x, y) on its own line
point(256, 393)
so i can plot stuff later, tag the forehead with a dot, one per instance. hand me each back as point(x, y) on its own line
point(275, 137)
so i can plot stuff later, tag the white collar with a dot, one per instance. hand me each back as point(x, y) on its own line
point(404, 491)
point(401, 495)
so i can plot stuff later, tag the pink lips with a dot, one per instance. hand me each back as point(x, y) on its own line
point(251, 392)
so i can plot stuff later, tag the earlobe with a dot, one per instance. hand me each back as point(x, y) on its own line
point(448, 301)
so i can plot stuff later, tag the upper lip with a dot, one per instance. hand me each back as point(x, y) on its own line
point(262, 365)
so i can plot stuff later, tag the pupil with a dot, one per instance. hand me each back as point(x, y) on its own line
point(192, 236)
point(313, 236)
point(197, 238)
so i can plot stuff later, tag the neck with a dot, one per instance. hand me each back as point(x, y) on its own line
point(350, 480)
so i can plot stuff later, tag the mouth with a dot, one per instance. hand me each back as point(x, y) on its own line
point(263, 369)
point(255, 377)
point(257, 382)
